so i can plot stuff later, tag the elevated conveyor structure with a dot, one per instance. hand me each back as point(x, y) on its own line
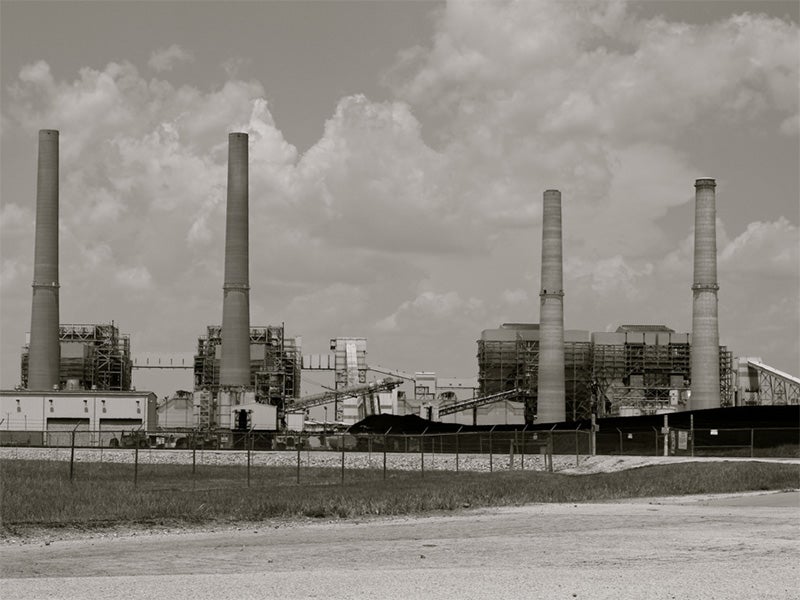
point(774, 386)
point(382, 385)
point(476, 402)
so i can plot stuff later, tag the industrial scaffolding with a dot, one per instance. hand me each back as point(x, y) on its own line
point(642, 378)
point(640, 369)
point(93, 357)
point(514, 364)
point(275, 363)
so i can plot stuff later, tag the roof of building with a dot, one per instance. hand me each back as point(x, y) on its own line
point(78, 393)
point(636, 328)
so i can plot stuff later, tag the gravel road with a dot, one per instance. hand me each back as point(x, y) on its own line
point(734, 546)
point(365, 460)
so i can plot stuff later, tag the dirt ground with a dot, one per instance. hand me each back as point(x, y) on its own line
point(729, 546)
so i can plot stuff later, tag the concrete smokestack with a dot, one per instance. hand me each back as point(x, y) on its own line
point(235, 362)
point(44, 352)
point(705, 327)
point(552, 396)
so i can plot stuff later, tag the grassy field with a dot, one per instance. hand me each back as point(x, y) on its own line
point(39, 494)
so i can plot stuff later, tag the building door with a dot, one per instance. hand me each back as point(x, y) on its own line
point(59, 432)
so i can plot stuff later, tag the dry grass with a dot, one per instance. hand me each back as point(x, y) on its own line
point(39, 493)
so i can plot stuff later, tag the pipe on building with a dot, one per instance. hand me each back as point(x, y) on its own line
point(705, 326)
point(551, 388)
point(235, 360)
point(44, 352)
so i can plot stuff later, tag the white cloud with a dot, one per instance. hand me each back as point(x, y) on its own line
point(165, 59)
point(515, 296)
point(764, 250)
point(610, 277)
point(791, 125)
point(134, 278)
point(381, 225)
point(429, 307)
point(37, 73)
point(10, 271)
point(13, 216)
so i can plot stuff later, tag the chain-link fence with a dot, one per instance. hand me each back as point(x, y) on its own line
point(246, 456)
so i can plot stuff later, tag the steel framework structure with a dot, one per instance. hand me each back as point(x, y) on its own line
point(102, 361)
point(514, 365)
point(774, 386)
point(366, 391)
point(274, 370)
point(643, 376)
point(600, 378)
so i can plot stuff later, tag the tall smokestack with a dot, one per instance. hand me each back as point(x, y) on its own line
point(44, 352)
point(552, 396)
point(235, 362)
point(705, 327)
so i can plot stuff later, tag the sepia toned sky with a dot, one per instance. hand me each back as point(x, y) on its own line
point(398, 155)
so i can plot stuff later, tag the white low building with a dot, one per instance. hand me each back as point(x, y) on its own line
point(49, 418)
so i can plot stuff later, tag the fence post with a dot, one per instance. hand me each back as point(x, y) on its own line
point(136, 464)
point(341, 441)
point(522, 450)
point(490, 448)
point(72, 457)
point(577, 447)
point(422, 452)
point(458, 438)
point(247, 449)
point(620, 440)
point(751, 443)
point(656, 434)
point(298, 461)
point(691, 431)
point(385, 441)
point(550, 451)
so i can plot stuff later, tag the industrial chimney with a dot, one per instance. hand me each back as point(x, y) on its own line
point(705, 327)
point(44, 352)
point(235, 361)
point(551, 393)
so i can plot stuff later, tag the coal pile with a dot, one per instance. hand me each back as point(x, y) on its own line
point(402, 424)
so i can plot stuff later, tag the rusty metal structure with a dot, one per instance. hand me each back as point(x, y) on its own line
point(509, 358)
point(92, 357)
point(639, 369)
point(274, 363)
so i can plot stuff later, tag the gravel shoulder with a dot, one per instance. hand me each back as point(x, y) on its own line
point(686, 547)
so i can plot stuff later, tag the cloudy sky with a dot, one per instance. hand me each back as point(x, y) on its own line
point(398, 155)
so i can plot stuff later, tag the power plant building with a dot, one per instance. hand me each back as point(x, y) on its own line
point(275, 363)
point(639, 369)
point(92, 357)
